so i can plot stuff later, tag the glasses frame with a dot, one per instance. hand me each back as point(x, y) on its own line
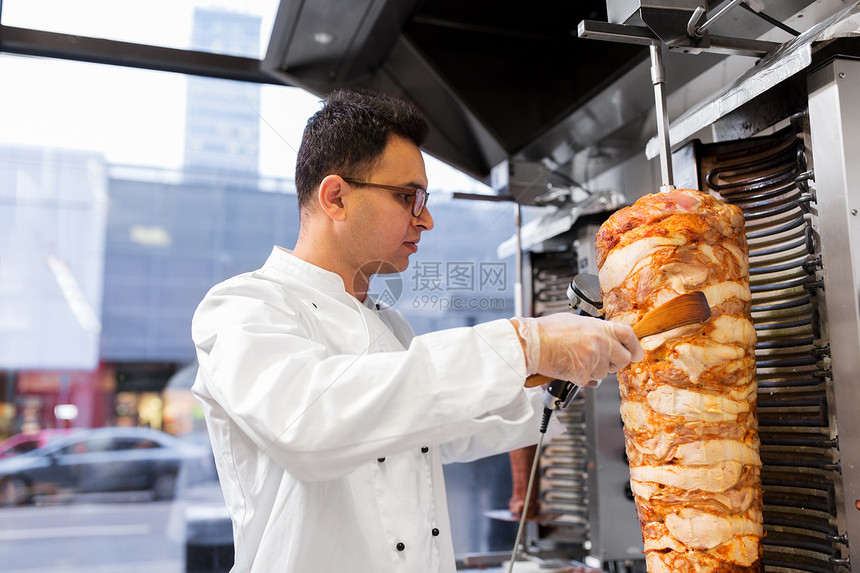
point(414, 191)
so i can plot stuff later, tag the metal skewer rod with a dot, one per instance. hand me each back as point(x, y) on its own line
point(658, 78)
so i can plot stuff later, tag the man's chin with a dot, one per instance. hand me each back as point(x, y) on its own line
point(391, 268)
point(385, 267)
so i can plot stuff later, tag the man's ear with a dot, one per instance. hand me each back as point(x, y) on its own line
point(330, 195)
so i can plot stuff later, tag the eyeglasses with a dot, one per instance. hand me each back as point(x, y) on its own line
point(419, 196)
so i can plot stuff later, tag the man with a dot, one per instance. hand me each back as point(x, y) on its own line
point(329, 421)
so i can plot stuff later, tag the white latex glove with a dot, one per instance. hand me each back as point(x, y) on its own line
point(577, 348)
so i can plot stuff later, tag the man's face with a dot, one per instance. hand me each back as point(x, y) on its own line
point(383, 230)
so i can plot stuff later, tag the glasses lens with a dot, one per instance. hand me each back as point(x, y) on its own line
point(418, 202)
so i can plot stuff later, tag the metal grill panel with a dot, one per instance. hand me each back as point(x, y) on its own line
point(768, 179)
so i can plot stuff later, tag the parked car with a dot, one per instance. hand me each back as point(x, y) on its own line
point(28, 441)
point(101, 460)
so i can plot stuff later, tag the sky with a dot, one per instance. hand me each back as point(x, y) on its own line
point(137, 117)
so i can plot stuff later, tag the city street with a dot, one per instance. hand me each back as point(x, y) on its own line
point(94, 536)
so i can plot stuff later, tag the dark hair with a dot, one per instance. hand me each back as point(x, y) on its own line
point(348, 135)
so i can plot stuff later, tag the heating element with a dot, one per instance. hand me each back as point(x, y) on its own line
point(562, 487)
point(801, 478)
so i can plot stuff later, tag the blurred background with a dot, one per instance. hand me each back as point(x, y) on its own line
point(125, 194)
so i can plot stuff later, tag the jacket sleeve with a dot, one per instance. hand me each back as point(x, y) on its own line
point(504, 432)
point(321, 415)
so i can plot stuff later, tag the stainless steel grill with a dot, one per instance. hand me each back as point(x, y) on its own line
point(551, 275)
point(563, 491)
point(770, 179)
point(801, 477)
point(797, 187)
point(562, 488)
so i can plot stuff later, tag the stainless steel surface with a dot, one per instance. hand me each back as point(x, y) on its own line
point(834, 119)
point(559, 220)
point(563, 468)
point(772, 70)
point(692, 23)
point(607, 133)
point(588, 285)
point(373, 28)
point(699, 30)
point(622, 11)
point(610, 32)
point(669, 19)
point(642, 36)
point(562, 488)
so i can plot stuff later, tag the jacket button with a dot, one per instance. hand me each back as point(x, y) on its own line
point(435, 531)
point(400, 546)
point(425, 449)
point(380, 460)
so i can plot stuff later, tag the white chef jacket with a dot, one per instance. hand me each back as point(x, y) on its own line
point(330, 422)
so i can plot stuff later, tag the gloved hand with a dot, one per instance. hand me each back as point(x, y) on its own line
point(577, 348)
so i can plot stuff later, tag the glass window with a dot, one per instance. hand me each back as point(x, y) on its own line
point(20, 448)
point(125, 195)
point(83, 447)
point(230, 27)
point(133, 444)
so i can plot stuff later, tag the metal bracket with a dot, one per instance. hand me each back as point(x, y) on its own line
point(643, 36)
point(698, 31)
point(694, 39)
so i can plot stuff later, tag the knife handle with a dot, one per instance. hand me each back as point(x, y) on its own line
point(537, 380)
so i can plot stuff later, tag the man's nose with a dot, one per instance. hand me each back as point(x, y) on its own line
point(425, 219)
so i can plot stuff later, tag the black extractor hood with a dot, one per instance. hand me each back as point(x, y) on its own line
point(491, 75)
point(505, 82)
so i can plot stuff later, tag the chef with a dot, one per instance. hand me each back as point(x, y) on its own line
point(329, 420)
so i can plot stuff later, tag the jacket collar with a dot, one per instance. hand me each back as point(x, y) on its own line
point(283, 261)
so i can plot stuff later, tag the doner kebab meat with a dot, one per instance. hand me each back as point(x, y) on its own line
point(689, 408)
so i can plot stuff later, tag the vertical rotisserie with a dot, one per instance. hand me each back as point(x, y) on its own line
point(689, 408)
